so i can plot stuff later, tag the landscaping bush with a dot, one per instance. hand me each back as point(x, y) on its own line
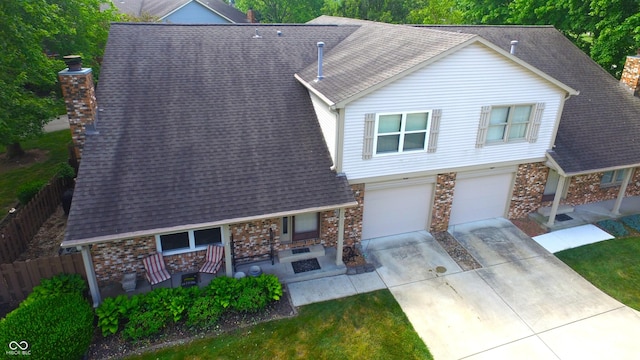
point(113, 311)
point(65, 171)
point(55, 326)
point(613, 227)
point(59, 284)
point(27, 191)
point(632, 221)
point(205, 312)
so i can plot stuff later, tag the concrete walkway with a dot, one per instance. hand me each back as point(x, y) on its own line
point(523, 302)
point(59, 123)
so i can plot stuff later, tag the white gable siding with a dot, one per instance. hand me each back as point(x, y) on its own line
point(327, 120)
point(459, 85)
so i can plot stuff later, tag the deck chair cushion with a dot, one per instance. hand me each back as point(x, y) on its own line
point(213, 259)
point(156, 269)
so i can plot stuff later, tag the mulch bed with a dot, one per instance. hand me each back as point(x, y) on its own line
point(456, 251)
point(115, 347)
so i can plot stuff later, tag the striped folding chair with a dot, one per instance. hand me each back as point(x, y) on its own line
point(156, 271)
point(213, 259)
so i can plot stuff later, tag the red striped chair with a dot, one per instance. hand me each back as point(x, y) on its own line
point(156, 269)
point(213, 259)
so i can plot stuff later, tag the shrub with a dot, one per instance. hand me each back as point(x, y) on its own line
point(27, 191)
point(59, 284)
point(224, 289)
point(632, 221)
point(111, 312)
point(56, 326)
point(144, 324)
point(613, 227)
point(205, 312)
point(65, 171)
point(271, 285)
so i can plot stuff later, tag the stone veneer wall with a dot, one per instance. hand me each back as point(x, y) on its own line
point(584, 189)
point(113, 259)
point(352, 221)
point(528, 189)
point(442, 200)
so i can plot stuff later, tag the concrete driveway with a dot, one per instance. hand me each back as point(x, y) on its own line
point(523, 302)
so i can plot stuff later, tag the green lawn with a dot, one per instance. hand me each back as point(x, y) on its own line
point(613, 266)
point(366, 326)
point(56, 144)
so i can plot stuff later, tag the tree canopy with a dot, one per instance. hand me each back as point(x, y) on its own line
point(34, 35)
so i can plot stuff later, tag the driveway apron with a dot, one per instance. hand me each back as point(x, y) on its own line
point(522, 303)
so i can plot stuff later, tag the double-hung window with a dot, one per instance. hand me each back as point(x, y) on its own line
point(612, 178)
point(403, 132)
point(191, 240)
point(508, 123)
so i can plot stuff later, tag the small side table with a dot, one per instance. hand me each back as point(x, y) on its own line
point(129, 282)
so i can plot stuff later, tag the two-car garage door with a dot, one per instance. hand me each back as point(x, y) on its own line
point(401, 207)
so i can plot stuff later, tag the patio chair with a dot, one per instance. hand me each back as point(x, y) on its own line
point(213, 259)
point(156, 270)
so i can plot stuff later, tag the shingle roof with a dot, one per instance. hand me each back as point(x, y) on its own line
point(203, 123)
point(374, 54)
point(161, 8)
point(600, 127)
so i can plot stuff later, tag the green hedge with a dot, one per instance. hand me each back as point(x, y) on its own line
point(56, 326)
point(145, 315)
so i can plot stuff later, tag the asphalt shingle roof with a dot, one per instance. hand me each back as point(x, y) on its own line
point(375, 53)
point(600, 127)
point(203, 123)
point(162, 8)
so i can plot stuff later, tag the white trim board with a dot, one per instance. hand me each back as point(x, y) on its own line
point(572, 237)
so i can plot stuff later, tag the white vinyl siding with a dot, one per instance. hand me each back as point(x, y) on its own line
point(327, 120)
point(482, 77)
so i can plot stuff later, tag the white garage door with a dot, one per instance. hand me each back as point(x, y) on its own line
point(395, 210)
point(480, 198)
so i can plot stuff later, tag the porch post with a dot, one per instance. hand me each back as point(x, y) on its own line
point(228, 261)
point(340, 237)
point(556, 200)
point(91, 275)
point(623, 190)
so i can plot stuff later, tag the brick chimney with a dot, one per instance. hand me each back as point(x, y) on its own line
point(80, 98)
point(251, 16)
point(631, 74)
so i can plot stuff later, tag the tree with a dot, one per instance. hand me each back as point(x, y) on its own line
point(34, 34)
point(435, 12)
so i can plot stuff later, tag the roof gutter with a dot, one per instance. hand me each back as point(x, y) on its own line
point(173, 229)
point(309, 87)
point(554, 165)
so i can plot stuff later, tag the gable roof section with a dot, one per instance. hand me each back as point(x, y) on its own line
point(203, 125)
point(600, 128)
point(378, 54)
point(163, 8)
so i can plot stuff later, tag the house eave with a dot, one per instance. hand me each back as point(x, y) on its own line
point(310, 87)
point(180, 228)
point(554, 165)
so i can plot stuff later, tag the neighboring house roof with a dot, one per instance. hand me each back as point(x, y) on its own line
point(163, 8)
point(203, 125)
point(600, 127)
point(377, 54)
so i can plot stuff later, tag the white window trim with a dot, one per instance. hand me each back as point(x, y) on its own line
point(192, 242)
point(613, 181)
point(403, 122)
point(505, 139)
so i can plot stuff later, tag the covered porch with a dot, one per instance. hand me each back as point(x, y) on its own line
point(590, 213)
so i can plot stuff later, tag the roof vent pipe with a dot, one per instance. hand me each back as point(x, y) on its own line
point(320, 53)
point(514, 43)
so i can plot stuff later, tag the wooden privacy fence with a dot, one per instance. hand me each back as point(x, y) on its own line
point(16, 234)
point(19, 278)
